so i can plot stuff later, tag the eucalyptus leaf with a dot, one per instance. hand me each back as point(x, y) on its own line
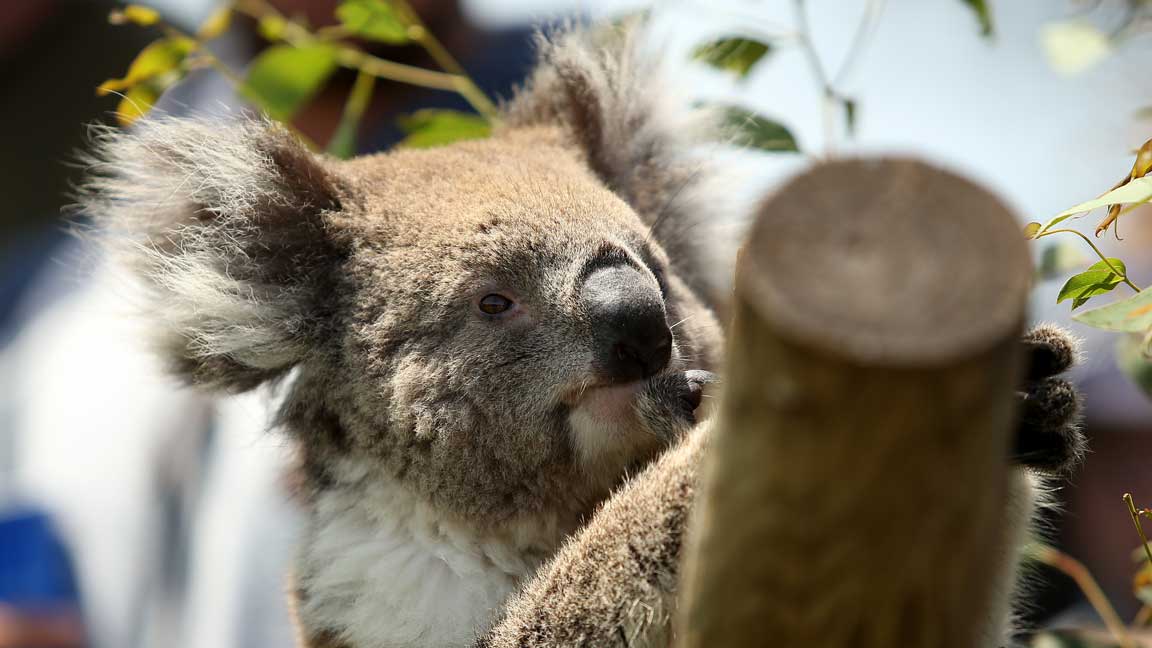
point(733, 53)
point(1098, 279)
point(1080, 288)
point(158, 58)
point(1131, 315)
point(373, 19)
point(135, 14)
point(432, 127)
point(849, 116)
point(271, 27)
point(216, 24)
point(1135, 191)
point(1031, 230)
point(1132, 361)
point(756, 131)
point(283, 78)
point(983, 15)
point(136, 103)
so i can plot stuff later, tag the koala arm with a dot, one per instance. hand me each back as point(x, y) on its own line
point(614, 582)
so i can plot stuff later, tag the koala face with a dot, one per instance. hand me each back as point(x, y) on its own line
point(500, 309)
point(473, 321)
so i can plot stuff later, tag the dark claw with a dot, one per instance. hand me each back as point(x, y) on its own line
point(1048, 436)
point(667, 405)
point(694, 393)
point(1050, 351)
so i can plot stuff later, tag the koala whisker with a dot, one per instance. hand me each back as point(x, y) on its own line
point(672, 327)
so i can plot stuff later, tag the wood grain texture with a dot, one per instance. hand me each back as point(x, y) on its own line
point(854, 492)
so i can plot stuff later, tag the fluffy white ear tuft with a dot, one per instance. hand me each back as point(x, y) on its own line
point(228, 224)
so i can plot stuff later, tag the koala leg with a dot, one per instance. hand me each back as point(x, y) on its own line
point(1048, 442)
point(614, 583)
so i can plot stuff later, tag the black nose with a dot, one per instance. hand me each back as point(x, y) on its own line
point(629, 327)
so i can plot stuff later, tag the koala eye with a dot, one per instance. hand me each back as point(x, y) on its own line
point(493, 304)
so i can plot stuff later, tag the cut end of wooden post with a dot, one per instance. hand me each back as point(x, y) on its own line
point(887, 262)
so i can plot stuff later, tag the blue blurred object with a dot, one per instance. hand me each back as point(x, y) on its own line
point(35, 569)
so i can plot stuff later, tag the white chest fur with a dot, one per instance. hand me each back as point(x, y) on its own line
point(386, 570)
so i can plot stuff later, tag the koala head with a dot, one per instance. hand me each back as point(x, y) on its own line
point(472, 321)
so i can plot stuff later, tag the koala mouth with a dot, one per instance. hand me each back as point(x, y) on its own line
point(606, 433)
point(608, 404)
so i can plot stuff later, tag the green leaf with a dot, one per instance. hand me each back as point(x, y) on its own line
point(158, 58)
point(1135, 191)
point(1082, 287)
point(271, 27)
point(1131, 315)
point(431, 127)
point(983, 15)
point(1031, 230)
point(216, 24)
point(283, 78)
point(849, 116)
point(136, 14)
point(1096, 280)
point(136, 103)
point(756, 131)
point(373, 19)
point(1132, 359)
point(733, 53)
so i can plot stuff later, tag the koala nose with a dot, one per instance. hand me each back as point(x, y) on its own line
point(629, 327)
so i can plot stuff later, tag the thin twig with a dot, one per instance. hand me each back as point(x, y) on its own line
point(1076, 570)
point(205, 55)
point(864, 31)
point(420, 33)
point(350, 57)
point(827, 92)
point(1139, 529)
point(1123, 276)
point(1143, 616)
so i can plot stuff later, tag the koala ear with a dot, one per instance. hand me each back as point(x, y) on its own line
point(229, 227)
point(651, 147)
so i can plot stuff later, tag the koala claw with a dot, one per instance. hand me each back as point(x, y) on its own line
point(1048, 436)
point(695, 381)
point(667, 404)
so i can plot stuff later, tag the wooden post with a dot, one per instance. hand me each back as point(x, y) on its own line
point(855, 490)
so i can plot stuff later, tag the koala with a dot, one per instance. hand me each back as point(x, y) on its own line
point(477, 345)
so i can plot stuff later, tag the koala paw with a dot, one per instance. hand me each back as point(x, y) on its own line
point(667, 404)
point(1048, 437)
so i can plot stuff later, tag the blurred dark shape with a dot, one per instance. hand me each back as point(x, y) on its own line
point(53, 54)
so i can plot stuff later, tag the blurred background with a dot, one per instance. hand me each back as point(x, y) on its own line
point(136, 513)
